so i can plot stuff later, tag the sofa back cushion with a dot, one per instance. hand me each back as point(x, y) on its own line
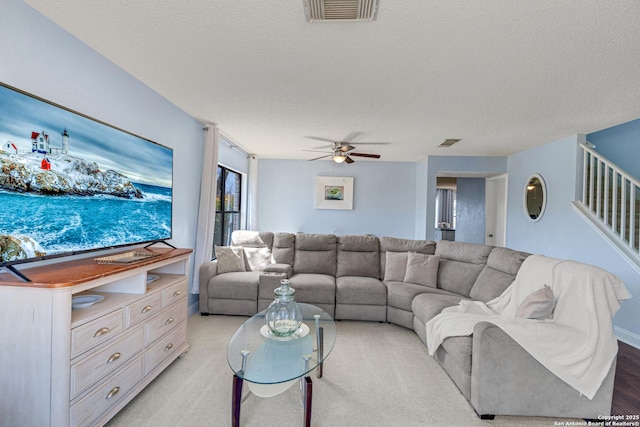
point(501, 269)
point(394, 244)
point(315, 254)
point(284, 245)
point(358, 256)
point(460, 265)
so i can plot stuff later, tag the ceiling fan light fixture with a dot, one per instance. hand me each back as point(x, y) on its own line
point(339, 158)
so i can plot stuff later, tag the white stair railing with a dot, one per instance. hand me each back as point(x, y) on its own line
point(611, 196)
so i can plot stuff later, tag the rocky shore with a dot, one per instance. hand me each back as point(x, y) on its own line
point(67, 176)
point(13, 248)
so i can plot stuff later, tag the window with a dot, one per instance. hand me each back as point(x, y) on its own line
point(228, 203)
point(445, 208)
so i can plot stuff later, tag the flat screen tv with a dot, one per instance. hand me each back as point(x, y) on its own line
point(71, 184)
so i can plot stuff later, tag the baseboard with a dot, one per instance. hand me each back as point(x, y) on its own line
point(194, 308)
point(627, 337)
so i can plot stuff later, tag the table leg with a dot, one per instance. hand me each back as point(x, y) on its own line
point(307, 396)
point(320, 350)
point(236, 400)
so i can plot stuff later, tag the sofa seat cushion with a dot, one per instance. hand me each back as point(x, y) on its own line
point(236, 285)
point(314, 288)
point(360, 290)
point(426, 306)
point(401, 294)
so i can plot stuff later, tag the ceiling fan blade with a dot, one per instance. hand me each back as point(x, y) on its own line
point(351, 136)
point(372, 143)
point(320, 139)
point(321, 157)
point(349, 160)
point(317, 151)
point(371, 156)
point(344, 147)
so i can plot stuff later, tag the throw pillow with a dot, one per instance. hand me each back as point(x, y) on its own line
point(422, 269)
point(230, 259)
point(258, 258)
point(395, 266)
point(537, 305)
point(246, 238)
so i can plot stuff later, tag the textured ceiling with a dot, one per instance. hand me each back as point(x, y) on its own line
point(502, 76)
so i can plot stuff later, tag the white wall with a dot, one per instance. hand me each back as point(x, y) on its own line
point(383, 203)
point(561, 232)
point(41, 58)
point(232, 159)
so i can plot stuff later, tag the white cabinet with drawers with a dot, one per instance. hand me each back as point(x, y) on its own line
point(61, 366)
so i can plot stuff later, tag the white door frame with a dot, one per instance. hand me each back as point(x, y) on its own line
point(496, 210)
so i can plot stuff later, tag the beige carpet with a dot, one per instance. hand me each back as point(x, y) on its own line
point(377, 375)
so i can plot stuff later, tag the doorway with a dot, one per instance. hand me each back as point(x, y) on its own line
point(496, 210)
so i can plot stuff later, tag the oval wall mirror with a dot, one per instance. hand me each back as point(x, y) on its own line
point(535, 197)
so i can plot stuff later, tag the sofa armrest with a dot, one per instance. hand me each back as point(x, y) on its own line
point(507, 380)
point(207, 271)
point(279, 268)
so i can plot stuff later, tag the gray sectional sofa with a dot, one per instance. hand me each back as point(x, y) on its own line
point(389, 279)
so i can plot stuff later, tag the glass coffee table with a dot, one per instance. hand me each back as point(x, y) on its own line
point(270, 364)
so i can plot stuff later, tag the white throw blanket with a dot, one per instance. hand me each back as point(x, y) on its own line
point(577, 344)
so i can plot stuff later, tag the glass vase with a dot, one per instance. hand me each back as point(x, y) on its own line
point(283, 316)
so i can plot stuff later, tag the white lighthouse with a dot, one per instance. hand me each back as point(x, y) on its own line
point(65, 142)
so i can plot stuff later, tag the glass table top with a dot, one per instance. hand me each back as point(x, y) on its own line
point(273, 360)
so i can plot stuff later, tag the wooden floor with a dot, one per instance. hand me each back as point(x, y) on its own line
point(626, 390)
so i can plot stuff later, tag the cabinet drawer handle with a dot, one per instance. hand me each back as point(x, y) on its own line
point(146, 309)
point(113, 392)
point(177, 293)
point(101, 331)
point(168, 347)
point(169, 321)
point(114, 357)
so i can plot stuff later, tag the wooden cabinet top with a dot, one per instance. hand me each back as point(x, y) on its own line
point(71, 273)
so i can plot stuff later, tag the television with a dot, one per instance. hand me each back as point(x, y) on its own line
point(71, 184)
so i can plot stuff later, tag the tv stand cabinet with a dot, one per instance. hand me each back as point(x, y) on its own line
point(64, 366)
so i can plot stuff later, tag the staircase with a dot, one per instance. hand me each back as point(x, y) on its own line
point(611, 201)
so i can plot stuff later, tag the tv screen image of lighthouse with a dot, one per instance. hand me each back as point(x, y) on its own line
point(69, 183)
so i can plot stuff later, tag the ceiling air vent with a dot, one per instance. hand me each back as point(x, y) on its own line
point(340, 10)
point(448, 142)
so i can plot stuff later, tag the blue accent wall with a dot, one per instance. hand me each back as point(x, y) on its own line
point(383, 200)
point(621, 145)
point(43, 59)
point(561, 232)
point(470, 210)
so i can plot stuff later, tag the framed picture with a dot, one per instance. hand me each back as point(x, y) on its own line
point(334, 192)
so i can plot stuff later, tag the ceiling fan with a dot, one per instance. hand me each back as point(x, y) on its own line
point(340, 151)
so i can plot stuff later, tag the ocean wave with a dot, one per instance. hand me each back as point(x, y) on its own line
point(72, 223)
point(156, 197)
